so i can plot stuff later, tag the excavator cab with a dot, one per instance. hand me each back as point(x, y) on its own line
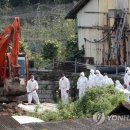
point(23, 70)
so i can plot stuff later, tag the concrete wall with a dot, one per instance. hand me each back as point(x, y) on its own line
point(46, 91)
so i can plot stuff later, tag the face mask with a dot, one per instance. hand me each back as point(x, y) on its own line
point(62, 77)
point(32, 80)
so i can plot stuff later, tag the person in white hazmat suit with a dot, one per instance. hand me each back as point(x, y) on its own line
point(110, 81)
point(127, 93)
point(119, 86)
point(106, 81)
point(126, 75)
point(127, 80)
point(82, 84)
point(123, 89)
point(91, 79)
point(64, 86)
point(127, 68)
point(32, 86)
point(98, 78)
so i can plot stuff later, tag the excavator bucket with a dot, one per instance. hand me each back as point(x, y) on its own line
point(12, 90)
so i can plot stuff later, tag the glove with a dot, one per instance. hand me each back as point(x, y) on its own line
point(59, 93)
point(67, 91)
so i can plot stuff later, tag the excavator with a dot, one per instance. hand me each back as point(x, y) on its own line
point(13, 64)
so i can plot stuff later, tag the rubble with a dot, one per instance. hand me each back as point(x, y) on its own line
point(22, 109)
point(10, 108)
point(39, 108)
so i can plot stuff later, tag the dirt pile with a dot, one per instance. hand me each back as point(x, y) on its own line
point(10, 109)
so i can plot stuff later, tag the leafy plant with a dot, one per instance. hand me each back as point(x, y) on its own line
point(38, 60)
point(50, 49)
point(102, 99)
point(72, 50)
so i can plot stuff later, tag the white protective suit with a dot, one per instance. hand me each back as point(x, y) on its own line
point(127, 80)
point(126, 75)
point(127, 68)
point(91, 78)
point(32, 86)
point(106, 81)
point(82, 84)
point(127, 94)
point(64, 86)
point(119, 86)
point(98, 78)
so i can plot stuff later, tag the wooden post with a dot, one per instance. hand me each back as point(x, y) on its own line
point(53, 63)
point(125, 67)
point(75, 65)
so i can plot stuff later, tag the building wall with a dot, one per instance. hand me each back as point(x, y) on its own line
point(121, 4)
point(94, 15)
point(91, 49)
point(88, 19)
point(128, 50)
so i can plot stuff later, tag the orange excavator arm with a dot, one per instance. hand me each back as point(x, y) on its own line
point(4, 43)
point(10, 70)
point(10, 34)
point(15, 48)
point(16, 40)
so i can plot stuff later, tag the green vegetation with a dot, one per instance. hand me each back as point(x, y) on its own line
point(44, 38)
point(51, 49)
point(15, 3)
point(72, 50)
point(54, 40)
point(103, 99)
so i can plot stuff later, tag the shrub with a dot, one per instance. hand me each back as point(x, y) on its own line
point(72, 50)
point(50, 49)
point(67, 111)
point(102, 99)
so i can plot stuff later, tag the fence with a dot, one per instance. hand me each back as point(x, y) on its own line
point(76, 67)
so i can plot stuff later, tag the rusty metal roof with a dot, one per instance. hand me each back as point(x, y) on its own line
point(122, 109)
point(72, 13)
point(81, 124)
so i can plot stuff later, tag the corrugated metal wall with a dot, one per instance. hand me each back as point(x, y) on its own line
point(121, 4)
point(88, 18)
point(128, 43)
point(128, 50)
point(92, 49)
